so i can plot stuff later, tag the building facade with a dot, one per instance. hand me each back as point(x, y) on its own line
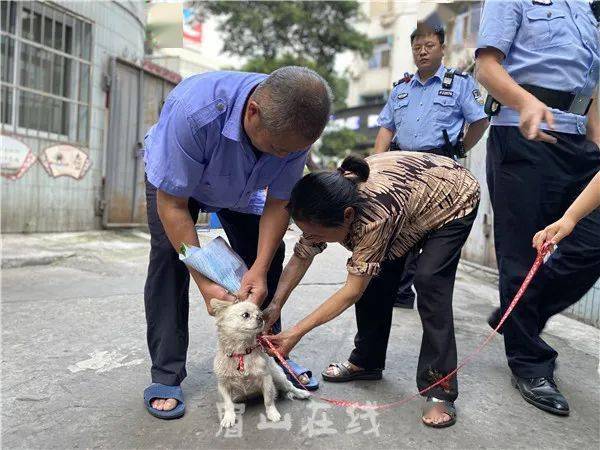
point(72, 113)
point(201, 50)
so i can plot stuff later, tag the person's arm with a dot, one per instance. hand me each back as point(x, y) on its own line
point(292, 274)
point(349, 294)
point(472, 112)
point(180, 228)
point(532, 112)
point(587, 202)
point(593, 125)
point(499, 27)
point(383, 140)
point(365, 262)
point(273, 225)
point(174, 166)
point(474, 133)
point(387, 126)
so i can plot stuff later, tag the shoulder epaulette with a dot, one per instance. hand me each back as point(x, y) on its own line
point(407, 77)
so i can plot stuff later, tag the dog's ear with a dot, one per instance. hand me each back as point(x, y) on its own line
point(219, 306)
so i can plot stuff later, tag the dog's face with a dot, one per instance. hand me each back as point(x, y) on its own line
point(243, 317)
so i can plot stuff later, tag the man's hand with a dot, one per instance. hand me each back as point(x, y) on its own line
point(531, 115)
point(494, 77)
point(254, 286)
point(210, 290)
point(270, 315)
point(554, 232)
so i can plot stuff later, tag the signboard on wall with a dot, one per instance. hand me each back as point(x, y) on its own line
point(65, 160)
point(192, 28)
point(16, 159)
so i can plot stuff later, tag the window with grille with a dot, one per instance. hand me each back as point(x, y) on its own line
point(46, 71)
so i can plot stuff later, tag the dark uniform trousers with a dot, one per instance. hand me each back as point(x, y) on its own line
point(166, 293)
point(531, 185)
point(434, 281)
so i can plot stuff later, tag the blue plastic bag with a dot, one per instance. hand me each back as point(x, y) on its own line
point(217, 262)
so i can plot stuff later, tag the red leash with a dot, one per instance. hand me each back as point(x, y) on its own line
point(539, 260)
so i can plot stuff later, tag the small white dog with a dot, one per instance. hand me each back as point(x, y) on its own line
point(242, 368)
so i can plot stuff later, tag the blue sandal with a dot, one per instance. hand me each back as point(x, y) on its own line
point(312, 385)
point(157, 390)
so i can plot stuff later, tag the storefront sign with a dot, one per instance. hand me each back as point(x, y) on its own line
point(65, 160)
point(17, 157)
point(372, 120)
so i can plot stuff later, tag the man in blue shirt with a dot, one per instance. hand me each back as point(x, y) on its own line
point(540, 60)
point(428, 112)
point(234, 143)
point(421, 106)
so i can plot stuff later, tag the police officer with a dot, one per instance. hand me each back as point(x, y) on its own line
point(222, 140)
point(427, 112)
point(539, 60)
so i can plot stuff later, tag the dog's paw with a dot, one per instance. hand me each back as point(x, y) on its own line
point(298, 393)
point(272, 414)
point(228, 420)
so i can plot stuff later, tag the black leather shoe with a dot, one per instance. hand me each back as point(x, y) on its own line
point(494, 319)
point(404, 302)
point(543, 394)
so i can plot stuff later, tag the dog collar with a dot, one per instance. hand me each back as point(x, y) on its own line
point(240, 356)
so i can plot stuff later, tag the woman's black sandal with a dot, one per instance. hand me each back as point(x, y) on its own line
point(346, 374)
point(444, 406)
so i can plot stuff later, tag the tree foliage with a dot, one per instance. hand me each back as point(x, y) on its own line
point(272, 34)
point(339, 85)
point(339, 143)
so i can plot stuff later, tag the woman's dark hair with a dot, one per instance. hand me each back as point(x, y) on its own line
point(322, 197)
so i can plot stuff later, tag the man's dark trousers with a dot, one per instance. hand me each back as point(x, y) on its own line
point(531, 185)
point(167, 286)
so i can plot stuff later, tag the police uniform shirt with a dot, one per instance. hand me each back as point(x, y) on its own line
point(547, 43)
point(418, 112)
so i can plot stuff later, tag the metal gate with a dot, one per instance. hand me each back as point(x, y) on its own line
point(136, 96)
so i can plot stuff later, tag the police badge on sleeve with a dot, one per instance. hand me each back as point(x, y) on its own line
point(477, 96)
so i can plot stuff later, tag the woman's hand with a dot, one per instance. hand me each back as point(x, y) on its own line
point(554, 233)
point(284, 342)
point(270, 315)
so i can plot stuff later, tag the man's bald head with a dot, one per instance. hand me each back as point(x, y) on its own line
point(294, 100)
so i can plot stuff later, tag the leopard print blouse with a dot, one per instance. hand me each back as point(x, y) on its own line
point(407, 195)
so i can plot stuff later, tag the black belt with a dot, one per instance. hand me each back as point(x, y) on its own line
point(441, 151)
point(565, 101)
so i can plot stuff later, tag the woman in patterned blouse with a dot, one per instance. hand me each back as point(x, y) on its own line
point(380, 209)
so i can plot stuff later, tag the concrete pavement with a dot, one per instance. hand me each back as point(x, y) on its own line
point(75, 363)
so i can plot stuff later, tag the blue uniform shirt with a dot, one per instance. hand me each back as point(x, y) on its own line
point(552, 44)
point(418, 112)
point(198, 147)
